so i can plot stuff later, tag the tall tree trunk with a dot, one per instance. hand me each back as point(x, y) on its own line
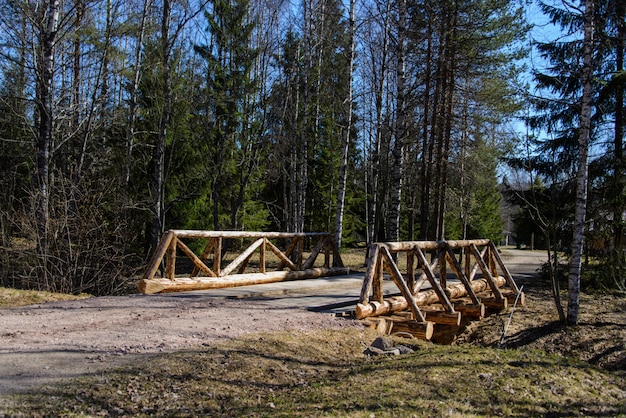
point(582, 175)
point(345, 143)
point(375, 216)
point(76, 73)
point(617, 261)
point(400, 129)
point(439, 120)
point(303, 145)
point(100, 88)
point(463, 187)
point(48, 39)
point(436, 132)
point(132, 103)
point(158, 156)
point(426, 140)
point(447, 132)
point(292, 209)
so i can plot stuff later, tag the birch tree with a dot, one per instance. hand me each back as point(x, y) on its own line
point(375, 64)
point(400, 128)
point(47, 39)
point(573, 300)
point(347, 128)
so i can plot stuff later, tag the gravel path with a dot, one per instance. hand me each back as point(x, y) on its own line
point(45, 343)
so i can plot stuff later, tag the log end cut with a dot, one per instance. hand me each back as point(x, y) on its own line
point(150, 287)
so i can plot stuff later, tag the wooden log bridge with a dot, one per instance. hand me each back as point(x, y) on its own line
point(211, 271)
point(443, 303)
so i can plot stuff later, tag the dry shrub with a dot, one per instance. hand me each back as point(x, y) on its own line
point(86, 248)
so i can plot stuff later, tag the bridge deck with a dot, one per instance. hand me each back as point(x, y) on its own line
point(333, 294)
point(326, 294)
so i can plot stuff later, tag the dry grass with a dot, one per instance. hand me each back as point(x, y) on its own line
point(325, 374)
point(10, 298)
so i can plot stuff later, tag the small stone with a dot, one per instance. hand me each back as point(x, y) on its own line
point(384, 343)
point(373, 351)
point(404, 349)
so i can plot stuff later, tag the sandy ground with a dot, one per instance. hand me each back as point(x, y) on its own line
point(49, 343)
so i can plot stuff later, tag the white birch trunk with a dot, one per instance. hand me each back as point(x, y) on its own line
point(345, 144)
point(48, 39)
point(581, 178)
point(400, 131)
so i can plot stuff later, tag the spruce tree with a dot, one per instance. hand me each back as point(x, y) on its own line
point(233, 141)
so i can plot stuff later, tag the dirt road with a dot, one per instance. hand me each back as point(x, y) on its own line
point(51, 342)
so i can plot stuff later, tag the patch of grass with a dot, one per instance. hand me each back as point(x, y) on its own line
point(10, 298)
point(325, 373)
point(354, 258)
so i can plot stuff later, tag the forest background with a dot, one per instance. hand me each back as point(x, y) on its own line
point(373, 120)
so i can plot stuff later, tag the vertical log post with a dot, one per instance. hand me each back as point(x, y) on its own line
point(170, 259)
point(262, 256)
point(468, 263)
point(327, 257)
point(443, 269)
point(410, 271)
point(378, 278)
point(491, 258)
point(300, 249)
point(217, 257)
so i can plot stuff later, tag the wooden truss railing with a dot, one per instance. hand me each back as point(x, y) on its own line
point(214, 274)
point(473, 255)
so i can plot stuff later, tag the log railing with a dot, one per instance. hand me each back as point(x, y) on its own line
point(218, 273)
point(473, 255)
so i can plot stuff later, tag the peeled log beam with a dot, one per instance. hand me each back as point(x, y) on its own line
point(443, 317)
point(433, 245)
point(182, 233)
point(426, 297)
point(471, 310)
point(445, 334)
point(420, 330)
point(434, 316)
point(494, 303)
point(186, 284)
